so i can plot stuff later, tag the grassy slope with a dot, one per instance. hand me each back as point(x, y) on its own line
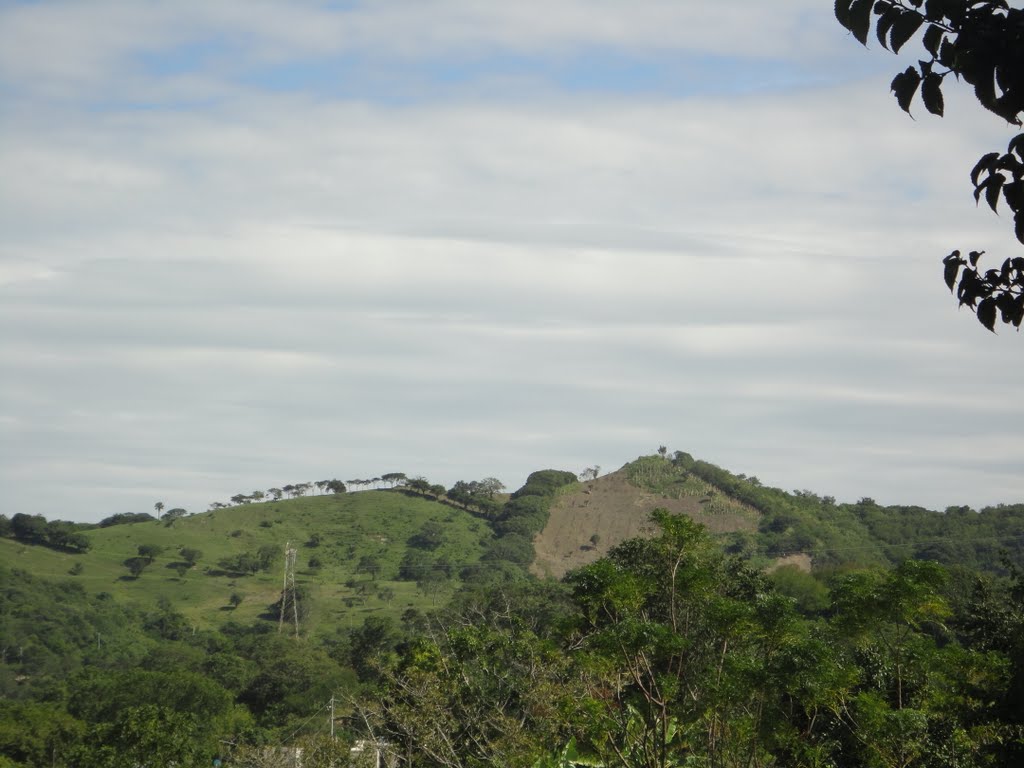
point(376, 523)
point(617, 506)
point(769, 525)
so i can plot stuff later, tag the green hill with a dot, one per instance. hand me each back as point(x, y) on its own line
point(350, 547)
point(836, 535)
point(382, 552)
point(769, 526)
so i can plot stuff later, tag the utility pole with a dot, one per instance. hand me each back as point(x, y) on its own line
point(332, 717)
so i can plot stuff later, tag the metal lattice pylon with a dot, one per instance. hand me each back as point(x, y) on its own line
point(289, 595)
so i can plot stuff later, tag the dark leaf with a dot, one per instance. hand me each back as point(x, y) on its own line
point(843, 12)
point(884, 24)
point(1018, 312)
point(1013, 193)
point(932, 39)
point(904, 28)
point(1005, 304)
point(933, 10)
point(1018, 225)
point(970, 288)
point(860, 19)
point(974, 256)
point(987, 313)
point(1010, 163)
point(1017, 145)
point(904, 85)
point(951, 270)
point(931, 93)
point(947, 53)
point(995, 183)
point(986, 162)
point(985, 88)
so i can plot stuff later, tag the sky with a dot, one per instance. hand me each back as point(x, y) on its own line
point(251, 243)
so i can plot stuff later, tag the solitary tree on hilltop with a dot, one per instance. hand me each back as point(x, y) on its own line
point(159, 507)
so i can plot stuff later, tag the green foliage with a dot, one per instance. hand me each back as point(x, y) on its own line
point(429, 537)
point(512, 548)
point(414, 565)
point(292, 681)
point(475, 694)
point(251, 562)
point(377, 637)
point(124, 518)
point(545, 482)
point(477, 495)
point(146, 736)
point(150, 551)
point(136, 565)
point(57, 534)
point(174, 514)
point(37, 733)
point(98, 697)
point(524, 515)
point(810, 594)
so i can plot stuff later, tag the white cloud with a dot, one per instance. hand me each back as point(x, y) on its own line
point(265, 286)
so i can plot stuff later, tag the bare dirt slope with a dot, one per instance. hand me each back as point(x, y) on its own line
point(616, 510)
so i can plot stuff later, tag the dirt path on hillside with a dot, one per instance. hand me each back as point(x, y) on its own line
point(615, 510)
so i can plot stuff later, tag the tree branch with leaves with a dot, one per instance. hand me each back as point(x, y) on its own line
point(979, 42)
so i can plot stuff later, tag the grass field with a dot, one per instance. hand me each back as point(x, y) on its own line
point(349, 527)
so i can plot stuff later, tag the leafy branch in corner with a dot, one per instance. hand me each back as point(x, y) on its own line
point(980, 42)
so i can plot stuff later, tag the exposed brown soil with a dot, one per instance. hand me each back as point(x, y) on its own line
point(615, 510)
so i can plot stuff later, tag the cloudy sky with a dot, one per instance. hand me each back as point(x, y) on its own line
point(248, 243)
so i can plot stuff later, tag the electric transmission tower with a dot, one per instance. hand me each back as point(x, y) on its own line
point(289, 594)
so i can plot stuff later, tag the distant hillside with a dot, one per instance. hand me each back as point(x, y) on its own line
point(769, 525)
point(359, 554)
point(381, 552)
point(589, 519)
